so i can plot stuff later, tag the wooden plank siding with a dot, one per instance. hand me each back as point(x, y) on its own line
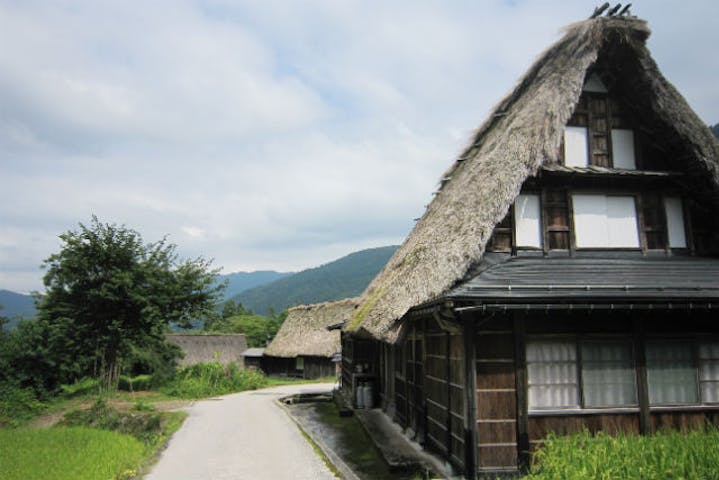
point(429, 389)
point(496, 397)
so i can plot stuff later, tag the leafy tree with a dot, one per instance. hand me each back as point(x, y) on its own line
point(258, 330)
point(106, 291)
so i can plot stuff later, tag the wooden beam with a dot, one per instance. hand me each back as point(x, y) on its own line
point(642, 384)
point(520, 368)
point(470, 399)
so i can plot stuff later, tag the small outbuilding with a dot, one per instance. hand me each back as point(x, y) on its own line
point(304, 347)
point(253, 358)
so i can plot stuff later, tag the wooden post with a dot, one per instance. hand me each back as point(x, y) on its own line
point(520, 368)
point(470, 399)
point(645, 426)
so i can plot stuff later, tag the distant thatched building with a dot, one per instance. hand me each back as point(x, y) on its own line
point(200, 348)
point(564, 276)
point(304, 347)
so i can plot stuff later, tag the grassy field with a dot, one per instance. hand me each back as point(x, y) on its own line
point(73, 453)
point(670, 455)
point(113, 436)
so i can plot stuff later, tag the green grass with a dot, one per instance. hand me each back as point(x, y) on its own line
point(209, 379)
point(670, 455)
point(72, 453)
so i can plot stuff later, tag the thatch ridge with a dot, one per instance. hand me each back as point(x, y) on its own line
point(523, 133)
point(304, 331)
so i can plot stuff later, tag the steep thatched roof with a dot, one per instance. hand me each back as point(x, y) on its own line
point(304, 331)
point(523, 133)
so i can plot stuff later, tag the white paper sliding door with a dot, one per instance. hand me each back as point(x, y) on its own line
point(675, 222)
point(528, 221)
point(602, 221)
point(576, 147)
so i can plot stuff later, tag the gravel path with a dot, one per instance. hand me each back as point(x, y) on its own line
point(244, 436)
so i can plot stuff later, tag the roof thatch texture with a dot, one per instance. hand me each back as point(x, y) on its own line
point(304, 332)
point(523, 133)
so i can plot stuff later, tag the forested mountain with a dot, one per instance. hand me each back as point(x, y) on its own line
point(241, 281)
point(343, 278)
point(16, 305)
point(715, 129)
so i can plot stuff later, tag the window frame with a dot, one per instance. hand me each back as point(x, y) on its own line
point(578, 342)
point(638, 223)
point(507, 228)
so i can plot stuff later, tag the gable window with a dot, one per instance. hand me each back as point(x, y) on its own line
point(675, 222)
point(599, 132)
point(576, 146)
point(623, 149)
point(528, 221)
point(602, 221)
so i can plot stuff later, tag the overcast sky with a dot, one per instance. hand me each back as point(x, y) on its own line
point(268, 134)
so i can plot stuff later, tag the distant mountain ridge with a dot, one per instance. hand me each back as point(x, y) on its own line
point(238, 282)
point(342, 278)
point(16, 305)
point(715, 130)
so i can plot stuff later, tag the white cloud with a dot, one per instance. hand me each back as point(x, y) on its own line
point(267, 134)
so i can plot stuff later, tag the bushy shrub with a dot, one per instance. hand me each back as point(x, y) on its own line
point(208, 379)
point(665, 455)
point(18, 405)
point(135, 384)
point(82, 387)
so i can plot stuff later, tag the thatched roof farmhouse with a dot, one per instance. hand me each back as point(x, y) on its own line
point(304, 335)
point(565, 274)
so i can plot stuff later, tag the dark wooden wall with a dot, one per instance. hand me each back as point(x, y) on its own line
point(496, 396)
point(429, 388)
point(314, 367)
point(507, 432)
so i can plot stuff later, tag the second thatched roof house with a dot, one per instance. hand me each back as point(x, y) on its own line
point(303, 346)
point(564, 276)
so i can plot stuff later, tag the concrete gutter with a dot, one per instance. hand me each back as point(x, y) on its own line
point(399, 451)
point(336, 461)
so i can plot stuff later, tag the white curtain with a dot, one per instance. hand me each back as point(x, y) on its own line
point(552, 374)
point(671, 374)
point(608, 375)
point(709, 372)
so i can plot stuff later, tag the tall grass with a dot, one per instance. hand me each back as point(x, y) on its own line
point(669, 455)
point(74, 453)
point(208, 379)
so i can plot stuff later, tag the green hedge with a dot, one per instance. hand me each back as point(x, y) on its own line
point(669, 455)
